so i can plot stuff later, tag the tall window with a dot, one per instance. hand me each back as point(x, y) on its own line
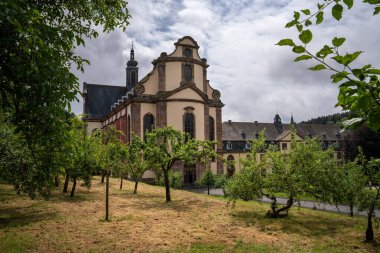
point(211, 129)
point(189, 124)
point(148, 124)
point(188, 73)
point(133, 77)
point(231, 165)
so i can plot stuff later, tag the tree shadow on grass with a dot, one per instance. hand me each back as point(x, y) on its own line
point(23, 216)
point(305, 224)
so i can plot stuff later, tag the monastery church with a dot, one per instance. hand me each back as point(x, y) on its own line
point(177, 93)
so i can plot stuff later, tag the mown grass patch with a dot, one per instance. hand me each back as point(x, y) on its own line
point(143, 222)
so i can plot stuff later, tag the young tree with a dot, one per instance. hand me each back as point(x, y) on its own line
point(134, 160)
point(110, 155)
point(167, 145)
point(80, 157)
point(248, 184)
point(358, 87)
point(37, 51)
point(369, 199)
point(305, 169)
point(208, 179)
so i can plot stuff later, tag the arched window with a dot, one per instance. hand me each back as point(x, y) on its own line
point(188, 73)
point(133, 77)
point(148, 124)
point(189, 124)
point(211, 128)
point(231, 165)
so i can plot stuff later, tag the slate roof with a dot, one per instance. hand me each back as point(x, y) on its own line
point(232, 131)
point(99, 98)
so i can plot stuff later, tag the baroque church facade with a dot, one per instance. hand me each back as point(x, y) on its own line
point(177, 93)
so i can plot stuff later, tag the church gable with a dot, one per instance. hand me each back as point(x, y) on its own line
point(188, 93)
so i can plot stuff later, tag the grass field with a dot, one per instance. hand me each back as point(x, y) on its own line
point(145, 223)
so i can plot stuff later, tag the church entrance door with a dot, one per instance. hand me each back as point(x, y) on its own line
point(189, 175)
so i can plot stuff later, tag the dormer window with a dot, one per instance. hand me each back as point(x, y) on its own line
point(228, 145)
point(187, 52)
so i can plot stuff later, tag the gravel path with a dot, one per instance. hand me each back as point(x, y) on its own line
point(303, 203)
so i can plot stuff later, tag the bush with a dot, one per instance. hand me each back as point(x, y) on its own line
point(175, 179)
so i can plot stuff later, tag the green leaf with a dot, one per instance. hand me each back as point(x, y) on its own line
point(303, 57)
point(319, 17)
point(299, 27)
point(337, 42)
point(285, 42)
point(337, 11)
point(357, 72)
point(348, 58)
point(352, 122)
point(377, 10)
point(326, 50)
point(373, 71)
point(338, 77)
point(306, 11)
point(298, 49)
point(349, 3)
point(320, 6)
point(308, 22)
point(296, 15)
point(290, 24)
point(306, 36)
point(318, 67)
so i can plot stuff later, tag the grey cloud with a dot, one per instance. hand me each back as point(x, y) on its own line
point(256, 78)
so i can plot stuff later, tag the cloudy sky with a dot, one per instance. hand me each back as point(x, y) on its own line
point(256, 78)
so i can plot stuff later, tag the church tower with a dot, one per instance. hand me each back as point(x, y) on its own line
point(132, 71)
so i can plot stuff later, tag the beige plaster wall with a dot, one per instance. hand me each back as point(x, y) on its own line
point(209, 90)
point(91, 126)
point(186, 94)
point(151, 85)
point(198, 76)
point(175, 112)
point(177, 52)
point(173, 75)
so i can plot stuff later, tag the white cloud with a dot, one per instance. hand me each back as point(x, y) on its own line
point(256, 78)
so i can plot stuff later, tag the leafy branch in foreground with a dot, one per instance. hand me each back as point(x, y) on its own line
point(359, 88)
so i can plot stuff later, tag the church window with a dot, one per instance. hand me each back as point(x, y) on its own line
point(231, 165)
point(211, 129)
point(133, 77)
point(148, 124)
point(188, 74)
point(189, 124)
point(187, 52)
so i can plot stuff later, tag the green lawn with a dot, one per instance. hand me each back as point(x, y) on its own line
point(145, 223)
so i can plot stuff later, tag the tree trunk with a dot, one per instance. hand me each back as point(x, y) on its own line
point(167, 186)
point(136, 183)
point(277, 213)
point(351, 209)
point(208, 190)
point(121, 182)
point(107, 195)
point(73, 188)
point(369, 231)
point(56, 181)
point(66, 184)
point(103, 174)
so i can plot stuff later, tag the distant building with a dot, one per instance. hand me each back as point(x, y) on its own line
point(236, 137)
point(177, 93)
